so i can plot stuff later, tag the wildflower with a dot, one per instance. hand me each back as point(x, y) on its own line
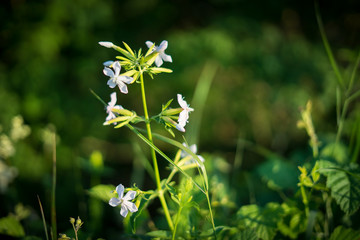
point(106, 44)
point(184, 114)
point(192, 148)
point(116, 79)
point(161, 50)
point(124, 201)
point(112, 105)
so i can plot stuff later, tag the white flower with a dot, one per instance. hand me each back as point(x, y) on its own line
point(184, 114)
point(106, 44)
point(124, 201)
point(192, 148)
point(110, 106)
point(161, 50)
point(116, 79)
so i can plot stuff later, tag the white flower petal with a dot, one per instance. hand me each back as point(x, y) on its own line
point(108, 63)
point(113, 99)
point(106, 44)
point(201, 158)
point(193, 148)
point(165, 57)
point(118, 107)
point(149, 44)
point(123, 88)
point(124, 210)
point(130, 195)
point(183, 118)
point(158, 61)
point(120, 190)
point(163, 45)
point(117, 68)
point(180, 128)
point(111, 83)
point(126, 79)
point(131, 206)
point(181, 101)
point(110, 116)
point(114, 202)
point(108, 72)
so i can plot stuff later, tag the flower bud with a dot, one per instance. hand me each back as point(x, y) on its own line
point(107, 44)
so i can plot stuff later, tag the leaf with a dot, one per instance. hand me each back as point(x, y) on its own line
point(247, 234)
point(173, 193)
point(129, 49)
point(344, 233)
point(102, 192)
point(162, 234)
point(11, 226)
point(210, 232)
point(344, 184)
point(293, 222)
point(166, 105)
point(263, 220)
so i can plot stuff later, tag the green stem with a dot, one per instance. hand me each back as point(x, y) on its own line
point(305, 200)
point(153, 155)
point(53, 190)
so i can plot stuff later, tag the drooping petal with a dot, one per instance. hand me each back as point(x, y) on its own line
point(118, 107)
point(124, 210)
point(180, 127)
point(130, 195)
point(108, 72)
point(120, 190)
point(201, 158)
point(111, 83)
point(149, 44)
point(114, 202)
point(131, 206)
point(123, 88)
point(158, 61)
point(181, 101)
point(117, 68)
point(113, 99)
point(183, 117)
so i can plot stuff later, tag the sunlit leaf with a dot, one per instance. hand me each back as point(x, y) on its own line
point(11, 226)
point(263, 220)
point(344, 233)
point(344, 183)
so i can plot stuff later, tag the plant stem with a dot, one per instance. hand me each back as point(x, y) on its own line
point(305, 200)
point(53, 190)
point(153, 155)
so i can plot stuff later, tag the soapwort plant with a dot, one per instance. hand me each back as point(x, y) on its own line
point(130, 70)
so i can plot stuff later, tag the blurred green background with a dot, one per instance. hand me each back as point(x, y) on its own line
point(268, 60)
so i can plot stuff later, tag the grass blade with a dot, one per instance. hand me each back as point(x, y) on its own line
point(327, 47)
point(43, 218)
point(53, 205)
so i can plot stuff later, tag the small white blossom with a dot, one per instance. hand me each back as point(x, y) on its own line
point(161, 50)
point(192, 148)
point(124, 201)
point(106, 44)
point(112, 105)
point(184, 114)
point(116, 79)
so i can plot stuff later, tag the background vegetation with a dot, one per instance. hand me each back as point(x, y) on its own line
point(267, 58)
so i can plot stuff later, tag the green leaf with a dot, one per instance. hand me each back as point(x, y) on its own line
point(173, 193)
point(344, 184)
point(129, 49)
point(263, 220)
point(247, 234)
point(156, 70)
point(344, 233)
point(335, 151)
point(293, 222)
point(103, 192)
point(162, 234)
point(11, 226)
point(166, 105)
point(210, 232)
